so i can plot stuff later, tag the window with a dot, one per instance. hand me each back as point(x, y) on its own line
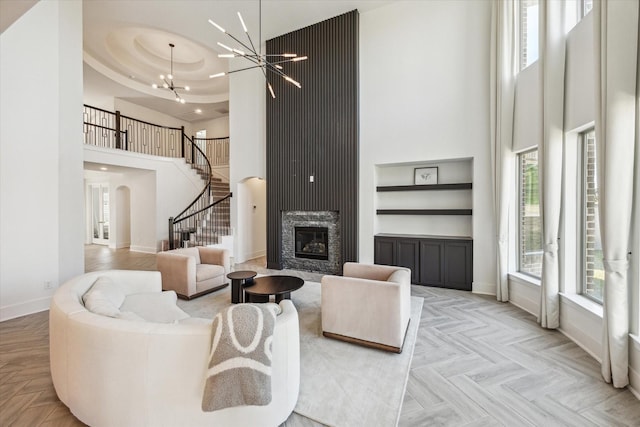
point(528, 32)
point(591, 247)
point(529, 224)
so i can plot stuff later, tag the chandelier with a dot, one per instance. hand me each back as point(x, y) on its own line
point(167, 81)
point(268, 63)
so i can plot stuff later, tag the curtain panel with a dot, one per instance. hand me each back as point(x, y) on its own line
point(552, 42)
point(502, 94)
point(616, 62)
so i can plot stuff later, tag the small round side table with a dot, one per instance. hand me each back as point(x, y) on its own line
point(240, 279)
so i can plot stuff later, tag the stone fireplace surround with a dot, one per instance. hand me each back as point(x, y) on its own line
point(328, 219)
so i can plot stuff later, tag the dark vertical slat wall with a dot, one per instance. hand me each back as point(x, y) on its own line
point(313, 131)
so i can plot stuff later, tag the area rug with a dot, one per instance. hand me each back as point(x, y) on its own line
point(341, 384)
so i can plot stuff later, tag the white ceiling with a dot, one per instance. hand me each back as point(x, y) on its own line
point(126, 45)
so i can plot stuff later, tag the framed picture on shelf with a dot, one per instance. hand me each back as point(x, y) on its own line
point(426, 176)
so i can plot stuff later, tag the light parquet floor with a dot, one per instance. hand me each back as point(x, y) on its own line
point(477, 362)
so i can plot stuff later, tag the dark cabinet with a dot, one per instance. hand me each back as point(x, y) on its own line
point(434, 261)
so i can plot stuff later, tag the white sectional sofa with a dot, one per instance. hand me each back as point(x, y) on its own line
point(121, 372)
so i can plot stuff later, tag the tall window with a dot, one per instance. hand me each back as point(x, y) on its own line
point(591, 247)
point(528, 32)
point(530, 226)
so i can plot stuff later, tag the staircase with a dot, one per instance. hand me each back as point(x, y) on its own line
point(207, 218)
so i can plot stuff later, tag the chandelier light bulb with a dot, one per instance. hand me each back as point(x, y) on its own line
point(161, 76)
point(273, 95)
point(217, 26)
point(225, 47)
point(239, 52)
point(290, 80)
point(170, 76)
point(299, 58)
point(155, 86)
point(187, 88)
point(289, 55)
point(166, 86)
point(213, 76)
point(182, 100)
point(279, 67)
point(226, 55)
point(242, 22)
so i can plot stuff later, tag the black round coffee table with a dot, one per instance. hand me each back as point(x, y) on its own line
point(239, 279)
point(280, 286)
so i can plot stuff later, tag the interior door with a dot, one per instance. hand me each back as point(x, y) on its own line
point(100, 213)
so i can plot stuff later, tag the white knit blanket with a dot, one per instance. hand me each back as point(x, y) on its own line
point(239, 371)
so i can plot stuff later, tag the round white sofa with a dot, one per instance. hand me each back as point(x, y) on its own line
point(117, 372)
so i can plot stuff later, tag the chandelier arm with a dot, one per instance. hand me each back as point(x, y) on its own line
point(242, 44)
point(284, 61)
point(247, 68)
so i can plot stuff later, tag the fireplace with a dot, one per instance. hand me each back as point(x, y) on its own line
point(312, 242)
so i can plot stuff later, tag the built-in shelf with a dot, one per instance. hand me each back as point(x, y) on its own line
point(457, 186)
point(424, 212)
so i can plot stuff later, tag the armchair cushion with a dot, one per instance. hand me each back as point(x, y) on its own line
point(191, 252)
point(208, 271)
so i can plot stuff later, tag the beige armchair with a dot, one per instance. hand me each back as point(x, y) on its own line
point(193, 272)
point(369, 305)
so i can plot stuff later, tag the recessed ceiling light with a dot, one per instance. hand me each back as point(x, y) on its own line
point(198, 110)
point(103, 168)
point(131, 76)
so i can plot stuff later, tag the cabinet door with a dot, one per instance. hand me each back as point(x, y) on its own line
point(384, 251)
point(458, 265)
point(431, 263)
point(407, 255)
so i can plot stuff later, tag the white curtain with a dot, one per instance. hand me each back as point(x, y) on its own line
point(552, 62)
point(503, 56)
point(615, 54)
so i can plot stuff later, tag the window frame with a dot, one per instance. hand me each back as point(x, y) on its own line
point(582, 196)
point(519, 176)
point(522, 63)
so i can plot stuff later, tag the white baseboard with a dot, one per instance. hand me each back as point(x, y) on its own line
point(24, 308)
point(483, 288)
point(523, 308)
point(146, 249)
point(123, 245)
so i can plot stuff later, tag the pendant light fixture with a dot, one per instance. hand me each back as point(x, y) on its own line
point(271, 64)
point(167, 81)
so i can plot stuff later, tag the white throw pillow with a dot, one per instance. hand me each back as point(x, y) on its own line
point(108, 288)
point(157, 307)
point(96, 301)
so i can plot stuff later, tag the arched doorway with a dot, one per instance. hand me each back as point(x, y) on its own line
point(251, 219)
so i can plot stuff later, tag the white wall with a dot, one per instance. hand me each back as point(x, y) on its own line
point(424, 73)
point(161, 187)
point(148, 115)
point(122, 218)
point(40, 213)
point(247, 127)
point(216, 128)
point(251, 235)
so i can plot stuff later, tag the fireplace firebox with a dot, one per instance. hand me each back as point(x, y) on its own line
point(312, 242)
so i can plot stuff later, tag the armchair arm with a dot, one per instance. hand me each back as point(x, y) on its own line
point(216, 256)
point(178, 272)
point(369, 271)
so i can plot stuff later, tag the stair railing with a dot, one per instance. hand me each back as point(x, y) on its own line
point(204, 220)
point(202, 227)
